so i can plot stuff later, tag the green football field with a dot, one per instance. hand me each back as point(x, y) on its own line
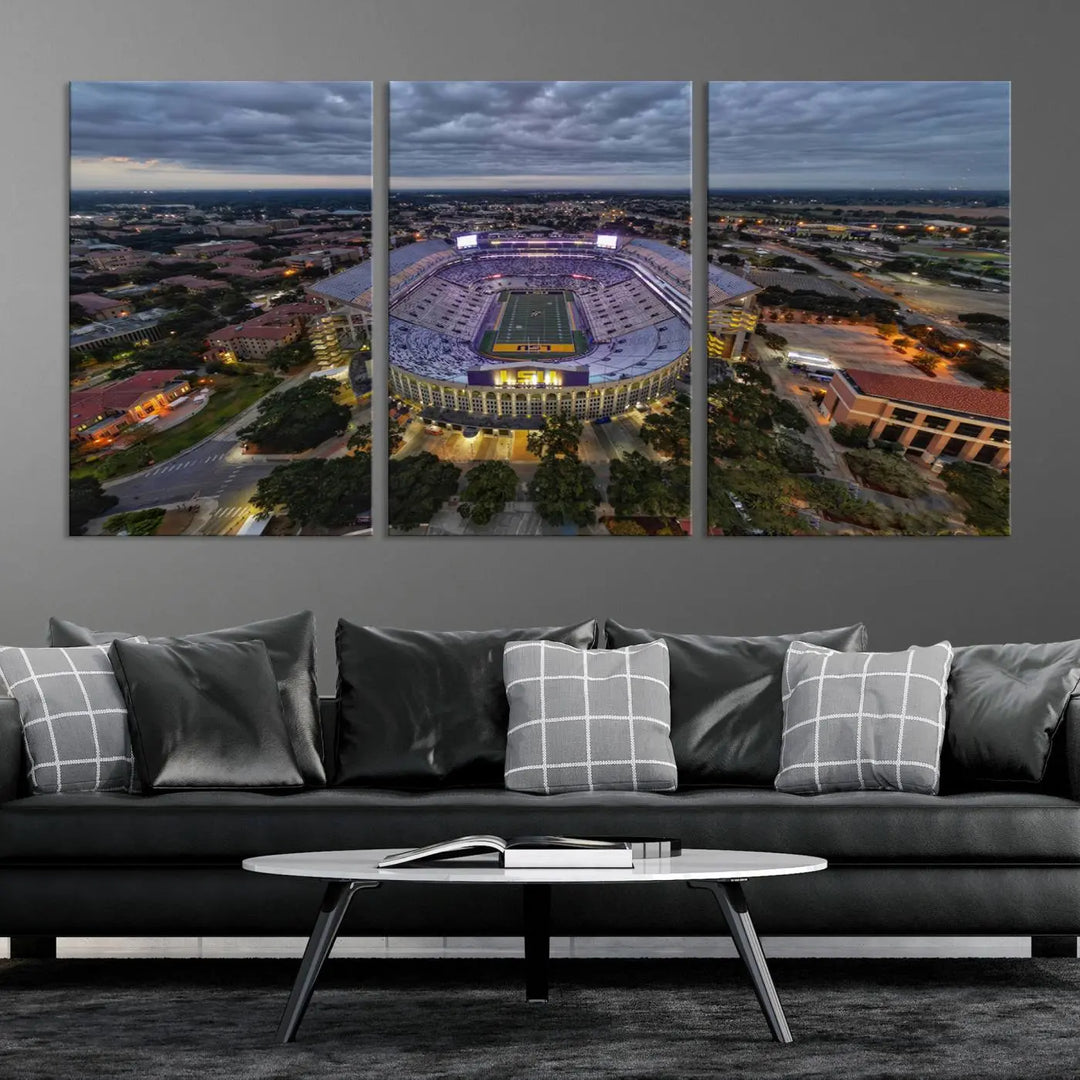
point(535, 319)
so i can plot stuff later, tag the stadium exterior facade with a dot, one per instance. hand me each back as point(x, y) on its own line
point(630, 297)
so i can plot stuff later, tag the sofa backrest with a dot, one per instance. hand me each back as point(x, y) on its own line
point(328, 716)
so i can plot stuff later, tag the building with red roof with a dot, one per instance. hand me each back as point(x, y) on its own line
point(100, 307)
point(101, 412)
point(252, 340)
point(194, 284)
point(942, 419)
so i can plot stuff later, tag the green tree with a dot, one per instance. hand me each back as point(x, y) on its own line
point(360, 439)
point(559, 435)
point(489, 486)
point(668, 432)
point(764, 493)
point(325, 492)
point(985, 494)
point(136, 522)
point(284, 357)
point(887, 472)
point(299, 418)
point(796, 455)
point(86, 499)
point(565, 492)
point(853, 435)
point(418, 486)
point(786, 414)
point(636, 485)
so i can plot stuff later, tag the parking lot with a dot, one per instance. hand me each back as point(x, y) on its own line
point(600, 443)
point(859, 346)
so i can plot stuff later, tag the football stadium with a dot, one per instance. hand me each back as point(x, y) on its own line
point(501, 329)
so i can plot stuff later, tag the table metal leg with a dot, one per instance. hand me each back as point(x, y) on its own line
point(537, 912)
point(732, 903)
point(335, 904)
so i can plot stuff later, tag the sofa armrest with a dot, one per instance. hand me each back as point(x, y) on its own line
point(11, 750)
point(1072, 744)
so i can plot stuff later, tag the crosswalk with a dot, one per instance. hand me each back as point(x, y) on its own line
point(227, 513)
point(176, 466)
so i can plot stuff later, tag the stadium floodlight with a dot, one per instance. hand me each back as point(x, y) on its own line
point(607, 240)
point(468, 240)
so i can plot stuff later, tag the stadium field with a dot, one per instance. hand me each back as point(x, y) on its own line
point(535, 322)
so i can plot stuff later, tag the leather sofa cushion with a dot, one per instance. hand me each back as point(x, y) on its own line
point(205, 715)
point(875, 827)
point(1006, 703)
point(290, 641)
point(726, 701)
point(423, 709)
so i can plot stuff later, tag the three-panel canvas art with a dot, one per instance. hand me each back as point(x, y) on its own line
point(535, 334)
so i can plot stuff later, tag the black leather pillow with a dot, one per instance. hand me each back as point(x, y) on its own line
point(205, 715)
point(290, 642)
point(425, 709)
point(726, 702)
point(1005, 704)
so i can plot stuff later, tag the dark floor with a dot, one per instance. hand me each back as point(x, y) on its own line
point(405, 1019)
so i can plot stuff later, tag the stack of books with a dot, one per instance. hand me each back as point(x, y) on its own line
point(543, 852)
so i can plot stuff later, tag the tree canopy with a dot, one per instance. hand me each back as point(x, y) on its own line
point(985, 493)
point(559, 435)
point(668, 432)
point(641, 486)
point(86, 499)
point(326, 492)
point(565, 492)
point(418, 486)
point(489, 486)
point(299, 418)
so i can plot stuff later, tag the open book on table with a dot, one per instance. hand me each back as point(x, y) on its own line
point(535, 852)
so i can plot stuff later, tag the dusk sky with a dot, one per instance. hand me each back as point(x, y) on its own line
point(187, 135)
point(859, 135)
point(633, 135)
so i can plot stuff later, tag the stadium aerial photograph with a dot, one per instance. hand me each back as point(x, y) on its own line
point(872, 396)
point(210, 395)
point(540, 308)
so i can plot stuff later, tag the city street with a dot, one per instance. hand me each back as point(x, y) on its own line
point(214, 473)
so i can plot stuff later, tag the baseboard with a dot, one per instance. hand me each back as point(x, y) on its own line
point(718, 946)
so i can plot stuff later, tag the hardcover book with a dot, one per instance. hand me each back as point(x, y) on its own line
point(524, 852)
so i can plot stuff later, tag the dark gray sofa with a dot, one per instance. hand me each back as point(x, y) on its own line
point(995, 862)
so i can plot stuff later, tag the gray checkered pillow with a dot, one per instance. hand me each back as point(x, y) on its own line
point(588, 719)
point(863, 721)
point(74, 719)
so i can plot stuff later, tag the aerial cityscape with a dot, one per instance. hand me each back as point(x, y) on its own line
point(872, 396)
point(210, 393)
point(539, 308)
point(221, 309)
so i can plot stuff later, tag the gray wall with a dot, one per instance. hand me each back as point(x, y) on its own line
point(907, 589)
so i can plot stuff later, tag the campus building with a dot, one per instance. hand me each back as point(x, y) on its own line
point(109, 258)
point(941, 419)
point(138, 329)
point(100, 308)
point(102, 412)
point(256, 338)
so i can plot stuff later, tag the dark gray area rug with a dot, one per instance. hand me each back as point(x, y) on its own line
point(211, 1019)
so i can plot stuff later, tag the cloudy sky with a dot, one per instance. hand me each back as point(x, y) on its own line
point(859, 134)
point(186, 135)
point(632, 135)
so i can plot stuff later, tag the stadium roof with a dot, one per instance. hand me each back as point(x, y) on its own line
point(729, 284)
point(932, 393)
point(354, 282)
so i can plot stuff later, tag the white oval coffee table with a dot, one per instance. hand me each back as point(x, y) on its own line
point(720, 872)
